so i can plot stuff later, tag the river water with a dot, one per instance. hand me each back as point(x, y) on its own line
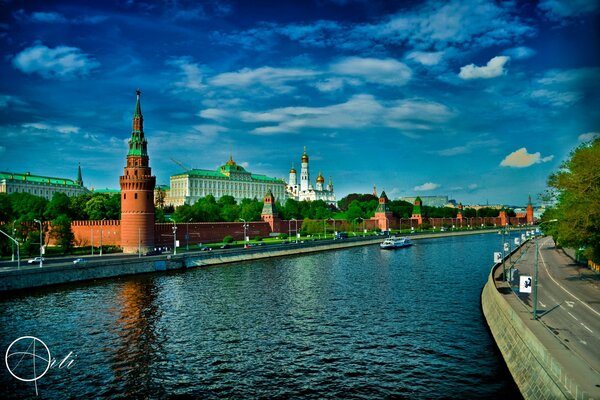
point(361, 323)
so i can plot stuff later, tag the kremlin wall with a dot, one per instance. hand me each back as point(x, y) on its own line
point(137, 231)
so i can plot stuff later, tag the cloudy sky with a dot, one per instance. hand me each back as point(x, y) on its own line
point(477, 100)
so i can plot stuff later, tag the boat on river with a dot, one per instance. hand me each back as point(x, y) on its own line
point(396, 243)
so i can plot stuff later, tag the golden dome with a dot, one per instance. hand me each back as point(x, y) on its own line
point(304, 156)
point(293, 170)
point(230, 162)
point(320, 178)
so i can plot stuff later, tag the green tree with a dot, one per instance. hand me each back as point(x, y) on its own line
point(577, 191)
point(62, 233)
point(78, 204)
point(59, 205)
point(6, 210)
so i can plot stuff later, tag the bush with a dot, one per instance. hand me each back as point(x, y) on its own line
point(228, 239)
point(257, 238)
point(283, 236)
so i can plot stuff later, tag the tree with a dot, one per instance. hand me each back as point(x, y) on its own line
point(577, 191)
point(62, 233)
point(6, 210)
point(59, 205)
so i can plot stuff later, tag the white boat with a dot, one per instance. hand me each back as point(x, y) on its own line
point(396, 243)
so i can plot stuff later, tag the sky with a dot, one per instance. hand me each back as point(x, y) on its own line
point(476, 100)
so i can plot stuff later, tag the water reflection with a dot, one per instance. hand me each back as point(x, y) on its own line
point(358, 323)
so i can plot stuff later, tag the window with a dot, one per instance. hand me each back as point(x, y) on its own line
point(124, 196)
point(135, 196)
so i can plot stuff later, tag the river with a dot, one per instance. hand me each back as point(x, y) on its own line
point(361, 323)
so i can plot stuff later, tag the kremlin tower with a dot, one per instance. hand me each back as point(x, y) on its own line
point(137, 191)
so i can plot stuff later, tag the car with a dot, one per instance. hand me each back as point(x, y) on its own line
point(153, 253)
point(36, 260)
point(205, 248)
point(225, 246)
point(79, 261)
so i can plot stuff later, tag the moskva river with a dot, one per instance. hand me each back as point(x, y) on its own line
point(362, 323)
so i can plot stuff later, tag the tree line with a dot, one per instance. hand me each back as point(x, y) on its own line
point(574, 219)
point(18, 212)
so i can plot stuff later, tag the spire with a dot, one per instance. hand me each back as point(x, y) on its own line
point(529, 202)
point(138, 109)
point(374, 190)
point(137, 143)
point(79, 180)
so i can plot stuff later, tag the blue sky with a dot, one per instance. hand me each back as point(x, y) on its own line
point(478, 100)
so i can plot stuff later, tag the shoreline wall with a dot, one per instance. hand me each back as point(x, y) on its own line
point(533, 367)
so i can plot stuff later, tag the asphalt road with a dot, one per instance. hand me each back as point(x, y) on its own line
point(568, 299)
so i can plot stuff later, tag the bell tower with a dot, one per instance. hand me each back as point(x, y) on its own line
point(137, 191)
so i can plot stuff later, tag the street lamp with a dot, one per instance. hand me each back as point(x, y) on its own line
point(245, 228)
point(296, 228)
point(101, 227)
point(13, 245)
point(535, 271)
point(174, 237)
point(41, 242)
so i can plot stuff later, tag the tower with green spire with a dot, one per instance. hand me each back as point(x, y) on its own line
point(137, 191)
point(79, 180)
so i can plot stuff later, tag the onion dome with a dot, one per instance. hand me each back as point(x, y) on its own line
point(293, 170)
point(320, 178)
point(230, 162)
point(304, 156)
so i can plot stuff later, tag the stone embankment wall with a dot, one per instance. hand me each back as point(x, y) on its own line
point(527, 348)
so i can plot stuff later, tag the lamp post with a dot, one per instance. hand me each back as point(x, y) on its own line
point(245, 230)
point(296, 228)
point(41, 242)
point(174, 237)
point(535, 272)
point(92, 236)
point(101, 228)
point(13, 245)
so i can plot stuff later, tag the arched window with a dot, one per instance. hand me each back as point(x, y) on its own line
point(135, 196)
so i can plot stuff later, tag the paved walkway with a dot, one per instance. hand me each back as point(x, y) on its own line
point(568, 309)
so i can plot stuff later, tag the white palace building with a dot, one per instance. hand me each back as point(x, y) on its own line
point(306, 191)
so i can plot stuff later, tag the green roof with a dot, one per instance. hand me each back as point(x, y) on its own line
point(107, 191)
point(27, 177)
point(203, 173)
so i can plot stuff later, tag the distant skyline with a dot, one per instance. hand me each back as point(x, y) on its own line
point(476, 100)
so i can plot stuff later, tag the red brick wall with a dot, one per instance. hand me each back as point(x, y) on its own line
point(84, 231)
point(206, 232)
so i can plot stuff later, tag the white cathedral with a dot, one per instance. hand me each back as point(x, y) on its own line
point(306, 191)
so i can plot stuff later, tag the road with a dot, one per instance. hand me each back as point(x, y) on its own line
point(568, 299)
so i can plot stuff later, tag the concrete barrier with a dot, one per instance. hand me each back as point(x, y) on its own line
point(530, 351)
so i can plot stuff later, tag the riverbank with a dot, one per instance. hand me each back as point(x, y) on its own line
point(543, 364)
point(31, 276)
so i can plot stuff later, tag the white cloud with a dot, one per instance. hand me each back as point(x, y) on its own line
point(519, 53)
point(61, 62)
point(426, 187)
point(191, 73)
point(278, 79)
point(215, 113)
point(454, 151)
point(386, 71)
point(358, 112)
point(555, 98)
point(559, 9)
point(56, 128)
point(587, 137)
point(426, 58)
point(473, 186)
point(494, 68)
point(521, 158)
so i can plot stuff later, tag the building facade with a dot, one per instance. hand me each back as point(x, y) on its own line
point(42, 186)
point(229, 179)
point(305, 190)
point(137, 191)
